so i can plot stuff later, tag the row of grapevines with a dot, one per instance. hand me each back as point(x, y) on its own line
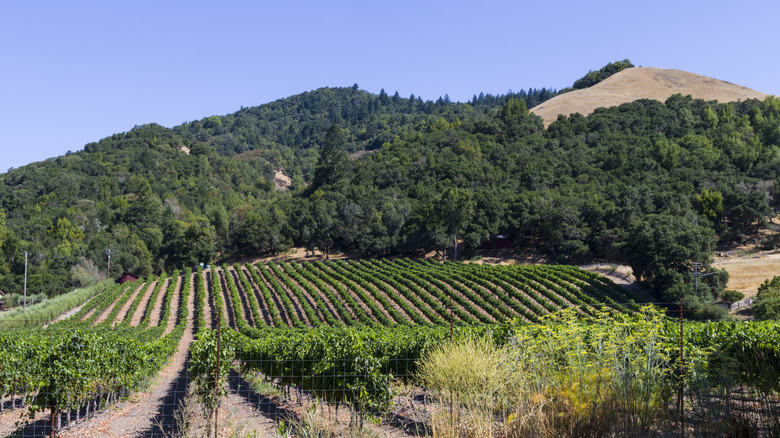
point(349, 365)
point(434, 310)
point(319, 285)
point(303, 303)
point(134, 305)
point(315, 270)
point(469, 293)
point(495, 294)
point(322, 309)
point(200, 301)
point(414, 309)
point(239, 315)
point(365, 292)
point(117, 306)
point(466, 310)
point(276, 317)
point(147, 319)
point(168, 299)
point(289, 308)
point(106, 299)
point(254, 307)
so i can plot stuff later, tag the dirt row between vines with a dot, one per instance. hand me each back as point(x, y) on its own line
point(141, 310)
point(136, 416)
point(126, 307)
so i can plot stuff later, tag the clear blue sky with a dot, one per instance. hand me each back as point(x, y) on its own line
point(75, 72)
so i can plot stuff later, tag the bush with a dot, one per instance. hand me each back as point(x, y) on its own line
point(732, 295)
point(471, 376)
point(86, 273)
point(767, 307)
point(711, 312)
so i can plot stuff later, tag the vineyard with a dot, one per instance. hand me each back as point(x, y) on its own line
point(344, 332)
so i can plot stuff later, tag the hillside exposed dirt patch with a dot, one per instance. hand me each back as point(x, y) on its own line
point(642, 83)
point(281, 181)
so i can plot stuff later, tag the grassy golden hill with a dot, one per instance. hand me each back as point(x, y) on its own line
point(642, 83)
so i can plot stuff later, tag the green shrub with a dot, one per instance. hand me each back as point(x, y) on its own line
point(732, 295)
point(710, 312)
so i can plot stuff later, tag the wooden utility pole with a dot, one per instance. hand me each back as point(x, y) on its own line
point(680, 392)
point(216, 377)
point(451, 319)
point(24, 308)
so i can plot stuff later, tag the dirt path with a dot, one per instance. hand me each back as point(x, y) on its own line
point(70, 312)
point(207, 317)
point(175, 305)
point(103, 316)
point(228, 316)
point(146, 413)
point(10, 416)
point(126, 308)
point(141, 310)
point(87, 315)
point(157, 308)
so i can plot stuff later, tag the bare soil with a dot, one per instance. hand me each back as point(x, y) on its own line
point(142, 306)
point(126, 307)
point(157, 307)
point(70, 312)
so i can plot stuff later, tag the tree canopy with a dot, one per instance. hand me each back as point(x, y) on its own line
point(653, 184)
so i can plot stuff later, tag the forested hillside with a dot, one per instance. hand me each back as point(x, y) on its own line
point(655, 185)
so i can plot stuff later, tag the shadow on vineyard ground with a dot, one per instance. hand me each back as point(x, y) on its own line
point(38, 428)
point(42, 426)
point(164, 424)
point(17, 402)
point(265, 406)
point(410, 426)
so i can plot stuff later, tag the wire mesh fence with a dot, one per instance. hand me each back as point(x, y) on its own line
point(262, 387)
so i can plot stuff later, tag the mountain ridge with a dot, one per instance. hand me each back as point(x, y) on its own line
point(642, 83)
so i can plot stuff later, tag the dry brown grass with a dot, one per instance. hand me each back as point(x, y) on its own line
point(747, 272)
point(642, 83)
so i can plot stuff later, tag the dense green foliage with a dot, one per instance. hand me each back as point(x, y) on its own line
point(767, 304)
point(594, 77)
point(654, 185)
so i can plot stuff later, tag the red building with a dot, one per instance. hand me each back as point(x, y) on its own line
point(129, 277)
